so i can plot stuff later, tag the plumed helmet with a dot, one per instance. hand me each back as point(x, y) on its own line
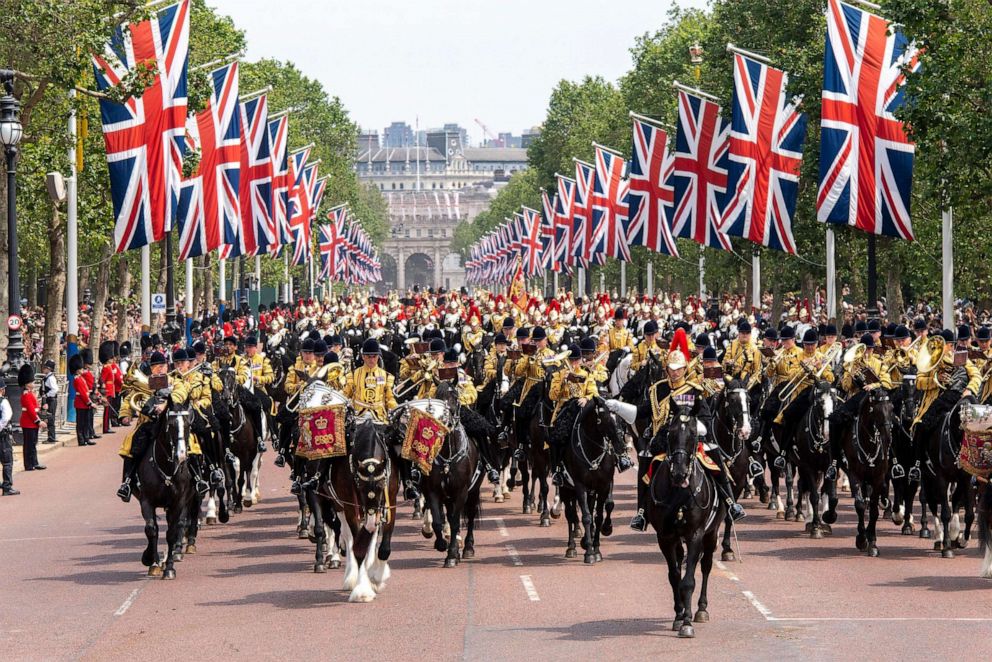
point(25, 375)
point(676, 359)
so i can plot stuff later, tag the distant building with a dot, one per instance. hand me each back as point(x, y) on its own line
point(528, 137)
point(397, 134)
point(368, 141)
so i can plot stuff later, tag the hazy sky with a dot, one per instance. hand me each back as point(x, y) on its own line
point(448, 60)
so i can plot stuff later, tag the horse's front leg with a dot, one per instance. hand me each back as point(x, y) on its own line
point(582, 497)
point(600, 505)
point(688, 584)
point(945, 524)
point(471, 512)
point(861, 541)
point(543, 500)
point(457, 507)
point(379, 573)
point(173, 534)
point(319, 532)
point(672, 558)
point(815, 526)
point(873, 512)
point(572, 518)
point(437, 521)
point(150, 558)
point(791, 511)
point(706, 565)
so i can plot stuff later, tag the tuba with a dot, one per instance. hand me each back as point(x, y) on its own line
point(930, 356)
point(141, 390)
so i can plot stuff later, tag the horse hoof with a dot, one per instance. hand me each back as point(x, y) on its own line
point(887, 513)
point(468, 553)
point(440, 545)
point(764, 495)
point(148, 558)
point(155, 571)
point(861, 543)
point(248, 503)
point(790, 513)
point(676, 624)
point(959, 543)
point(237, 510)
point(815, 533)
point(686, 631)
point(319, 568)
point(809, 527)
point(211, 520)
point(897, 517)
point(771, 505)
point(169, 574)
point(546, 521)
point(599, 557)
point(589, 558)
point(499, 498)
point(827, 529)
point(947, 554)
point(925, 534)
point(873, 551)
point(301, 534)
point(224, 517)
point(427, 533)
point(191, 549)
point(607, 529)
point(728, 555)
point(830, 516)
point(937, 546)
point(702, 616)
point(527, 509)
point(335, 565)
point(570, 553)
point(780, 515)
point(177, 557)
point(800, 517)
point(450, 563)
point(907, 529)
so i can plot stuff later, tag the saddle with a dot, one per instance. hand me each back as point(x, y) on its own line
point(701, 455)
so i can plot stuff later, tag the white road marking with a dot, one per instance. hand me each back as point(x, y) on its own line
point(127, 603)
point(501, 527)
point(529, 587)
point(726, 571)
point(757, 605)
point(880, 618)
point(44, 538)
point(512, 553)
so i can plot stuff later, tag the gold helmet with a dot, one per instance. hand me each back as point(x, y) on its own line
point(676, 360)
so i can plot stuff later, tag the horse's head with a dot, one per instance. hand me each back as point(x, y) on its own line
point(737, 408)
point(683, 434)
point(369, 462)
point(824, 399)
point(877, 413)
point(177, 426)
point(229, 380)
point(598, 421)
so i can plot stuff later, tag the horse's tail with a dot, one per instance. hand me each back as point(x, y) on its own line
point(985, 530)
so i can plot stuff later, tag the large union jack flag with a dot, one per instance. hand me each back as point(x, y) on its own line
point(208, 201)
point(866, 160)
point(548, 233)
point(278, 141)
point(767, 132)
point(651, 194)
point(700, 174)
point(583, 227)
point(531, 242)
point(145, 137)
point(609, 205)
point(564, 235)
point(257, 229)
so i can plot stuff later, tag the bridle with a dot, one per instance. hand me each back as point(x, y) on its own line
point(876, 441)
point(177, 450)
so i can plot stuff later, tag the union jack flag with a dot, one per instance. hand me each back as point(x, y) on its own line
point(866, 160)
point(278, 139)
point(533, 246)
point(302, 206)
point(651, 194)
point(145, 137)
point(257, 229)
point(700, 174)
point(583, 236)
point(327, 238)
point(609, 205)
point(564, 236)
point(338, 216)
point(767, 132)
point(208, 201)
point(548, 232)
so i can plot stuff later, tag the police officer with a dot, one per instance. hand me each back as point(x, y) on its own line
point(6, 444)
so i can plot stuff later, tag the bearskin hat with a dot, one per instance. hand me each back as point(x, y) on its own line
point(75, 364)
point(107, 351)
point(87, 355)
point(25, 375)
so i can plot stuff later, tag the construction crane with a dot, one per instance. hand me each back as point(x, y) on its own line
point(489, 134)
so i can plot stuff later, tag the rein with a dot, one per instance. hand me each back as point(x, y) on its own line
point(578, 435)
point(873, 435)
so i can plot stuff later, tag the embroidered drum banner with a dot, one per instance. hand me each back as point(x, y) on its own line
point(975, 456)
point(424, 438)
point(322, 432)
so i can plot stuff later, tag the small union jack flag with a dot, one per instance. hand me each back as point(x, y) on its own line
point(208, 201)
point(532, 244)
point(145, 137)
point(651, 195)
point(609, 205)
point(278, 141)
point(583, 234)
point(548, 232)
point(700, 174)
point(866, 160)
point(767, 132)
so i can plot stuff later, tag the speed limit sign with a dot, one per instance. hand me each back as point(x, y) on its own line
point(14, 323)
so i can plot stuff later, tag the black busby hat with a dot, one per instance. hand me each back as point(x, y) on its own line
point(262, 308)
point(847, 331)
point(787, 333)
point(107, 351)
point(75, 364)
point(370, 347)
point(156, 340)
point(25, 375)
point(157, 358)
point(810, 337)
point(125, 349)
point(538, 333)
point(145, 342)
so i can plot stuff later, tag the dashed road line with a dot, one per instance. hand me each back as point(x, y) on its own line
point(529, 587)
point(501, 527)
point(757, 605)
point(127, 603)
point(511, 551)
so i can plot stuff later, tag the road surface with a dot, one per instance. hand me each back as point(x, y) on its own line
point(73, 588)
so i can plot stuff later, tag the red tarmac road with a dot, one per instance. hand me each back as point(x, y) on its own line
point(72, 586)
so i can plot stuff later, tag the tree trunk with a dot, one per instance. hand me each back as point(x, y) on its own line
point(56, 285)
point(124, 287)
point(776, 304)
point(100, 297)
point(893, 290)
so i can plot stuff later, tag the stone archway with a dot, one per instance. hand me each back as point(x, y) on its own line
point(389, 273)
point(419, 270)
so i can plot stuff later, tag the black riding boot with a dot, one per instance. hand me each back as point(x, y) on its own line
point(734, 509)
point(639, 522)
point(411, 480)
point(196, 465)
point(620, 450)
point(124, 491)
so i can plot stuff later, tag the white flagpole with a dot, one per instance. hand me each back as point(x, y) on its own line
point(582, 281)
point(146, 285)
point(285, 286)
point(756, 279)
point(623, 279)
point(947, 266)
point(555, 281)
point(602, 282)
point(222, 277)
point(72, 233)
point(189, 287)
point(831, 275)
point(258, 274)
point(702, 274)
point(651, 278)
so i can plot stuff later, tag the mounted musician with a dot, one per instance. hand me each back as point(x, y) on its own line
point(199, 400)
point(530, 371)
point(497, 353)
point(301, 372)
point(230, 359)
point(647, 347)
point(809, 366)
point(262, 377)
point(984, 338)
point(145, 396)
point(472, 335)
point(574, 382)
point(743, 359)
point(594, 360)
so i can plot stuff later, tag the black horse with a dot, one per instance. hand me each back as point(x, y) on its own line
point(590, 464)
point(985, 528)
point(452, 486)
point(685, 510)
point(867, 445)
point(732, 430)
point(362, 486)
point(245, 491)
point(906, 482)
point(812, 458)
point(165, 480)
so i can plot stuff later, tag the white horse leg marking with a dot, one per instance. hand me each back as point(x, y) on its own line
point(504, 479)
point(256, 494)
point(351, 565)
point(211, 516)
point(364, 590)
point(332, 544)
point(954, 529)
point(986, 571)
point(778, 504)
point(428, 529)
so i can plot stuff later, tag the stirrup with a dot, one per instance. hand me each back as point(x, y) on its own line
point(623, 462)
point(898, 471)
point(830, 473)
point(779, 462)
point(557, 479)
point(638, 522)
point(518, 454)
point(410, 492)
point(261, 446)
point(202, 487)
point(124, 491)
point(280, 460)
point(296, 488)
point(493, 476)
point(736, 512)
point(754, 469)
point(915, 475)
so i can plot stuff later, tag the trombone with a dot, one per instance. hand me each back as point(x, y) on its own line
point(823, 361)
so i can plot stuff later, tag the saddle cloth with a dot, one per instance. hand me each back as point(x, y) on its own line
point(423, 440)
point(322, 432)
point(701, 455)
point(975, 456)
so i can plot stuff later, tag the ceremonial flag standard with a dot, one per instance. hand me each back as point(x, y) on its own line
point(145, 136)
point(767, 132)
point(866, 160)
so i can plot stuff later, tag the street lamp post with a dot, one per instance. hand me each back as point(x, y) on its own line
point(10, 137)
